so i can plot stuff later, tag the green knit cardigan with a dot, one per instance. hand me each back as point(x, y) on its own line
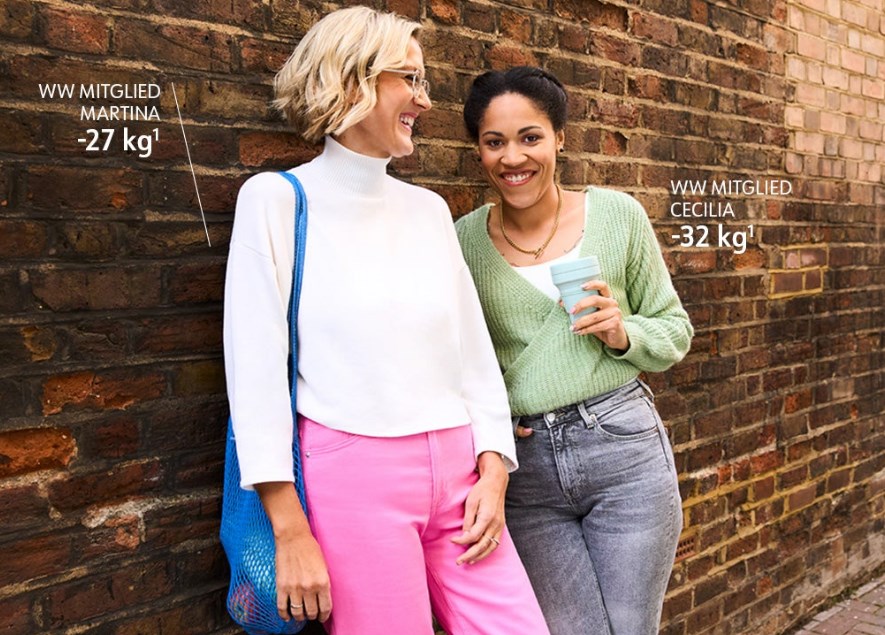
point(545, 365)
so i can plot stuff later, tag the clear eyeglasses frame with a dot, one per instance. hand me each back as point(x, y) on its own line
point(418, 83)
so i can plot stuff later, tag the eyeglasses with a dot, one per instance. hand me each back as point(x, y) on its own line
point(418, 82)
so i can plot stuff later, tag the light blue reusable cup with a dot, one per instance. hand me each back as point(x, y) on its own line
point(569, 278)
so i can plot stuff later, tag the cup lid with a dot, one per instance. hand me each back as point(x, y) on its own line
point(588, 265)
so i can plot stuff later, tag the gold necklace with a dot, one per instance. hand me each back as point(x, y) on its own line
point(540, 250)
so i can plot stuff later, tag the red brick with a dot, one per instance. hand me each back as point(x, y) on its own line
point(17, 19)
point(23, 451)
point(35, 556)
point(573, 37)
point(122, 588)
point(445, 11)
point(97, 288)
point(77, 490)
point(279, 149)
point(54, 188)
point(753, 56)
point(250, 13)
point(515, 25)
point(22, 506)
point(802, 497)
point(813, 280)
point(596, 12)
point(108, 391)
point(81, 33)
point(115, 438)
point(766, 462)
point(785, 282)
point(217, 194)
point(813, 257)
point(197, 283)
point(705, 617)
point(614, 49)
point(177, 239)
point(174, 523)
point(655, 28)
point(199, 378)
point(21, 133)
point(261, 56)
point(181, 333)
point(455, 49)
point(187, 47)
point(480, 18)
point(503, 56)
point(196, 616)
point(15, 616)
point(224, 100)
point(763, 489)
point(22, 239)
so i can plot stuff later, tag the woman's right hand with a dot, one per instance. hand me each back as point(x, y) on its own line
point(522, 433)
point(303, 586)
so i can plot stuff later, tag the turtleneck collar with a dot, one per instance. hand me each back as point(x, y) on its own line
point(348, 170)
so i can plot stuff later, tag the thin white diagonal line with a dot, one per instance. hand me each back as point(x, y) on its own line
point(187, 149)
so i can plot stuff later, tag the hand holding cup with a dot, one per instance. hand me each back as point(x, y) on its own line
point(589, 302)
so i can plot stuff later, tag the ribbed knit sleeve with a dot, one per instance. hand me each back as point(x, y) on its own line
point(658, 328)
point(545, 365)
point(482, 385)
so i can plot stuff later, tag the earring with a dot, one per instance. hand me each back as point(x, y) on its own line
point(561, 149)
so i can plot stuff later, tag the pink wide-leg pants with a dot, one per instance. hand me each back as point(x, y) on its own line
point(384, 511)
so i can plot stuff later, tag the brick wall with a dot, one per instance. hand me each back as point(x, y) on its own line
point(111, 386)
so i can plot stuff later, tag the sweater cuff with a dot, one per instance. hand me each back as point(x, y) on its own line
point(264, 463)
point(506, 448)
point(636, 352)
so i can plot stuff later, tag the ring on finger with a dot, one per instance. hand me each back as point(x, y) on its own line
point(494, 540)
point(296, 605)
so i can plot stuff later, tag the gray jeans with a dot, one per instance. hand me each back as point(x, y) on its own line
point(595, 513)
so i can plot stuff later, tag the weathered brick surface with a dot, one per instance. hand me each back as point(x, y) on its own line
point(112, 387)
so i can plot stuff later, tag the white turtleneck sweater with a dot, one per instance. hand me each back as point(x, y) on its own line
point(391, 335)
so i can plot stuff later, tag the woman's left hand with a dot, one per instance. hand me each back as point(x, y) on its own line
point(484, 510)
point(606, 322)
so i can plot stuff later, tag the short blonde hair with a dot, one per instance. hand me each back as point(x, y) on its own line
point(328, 83)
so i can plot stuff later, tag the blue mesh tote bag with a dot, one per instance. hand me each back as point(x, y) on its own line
point(246, 532)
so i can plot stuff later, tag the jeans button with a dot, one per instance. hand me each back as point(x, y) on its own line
point(550, 417)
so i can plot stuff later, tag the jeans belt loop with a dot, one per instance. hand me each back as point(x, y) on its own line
point(589, 419)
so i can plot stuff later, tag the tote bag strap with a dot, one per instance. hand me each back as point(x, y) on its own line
point(294, 301)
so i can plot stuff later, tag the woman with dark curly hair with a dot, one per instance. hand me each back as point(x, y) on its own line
point(594, 509)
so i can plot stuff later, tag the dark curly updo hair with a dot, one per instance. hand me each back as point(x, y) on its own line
point(547, 93)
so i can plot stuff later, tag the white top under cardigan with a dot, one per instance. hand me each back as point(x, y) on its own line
point(391, 335)
point(539, 275)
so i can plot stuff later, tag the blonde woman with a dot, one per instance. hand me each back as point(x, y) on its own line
point(403, 417)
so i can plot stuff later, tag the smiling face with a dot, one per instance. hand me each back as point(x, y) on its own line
point(517, 149)
point(387, 130)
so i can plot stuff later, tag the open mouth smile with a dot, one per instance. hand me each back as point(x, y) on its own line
point(408, 121)
point(516, 178)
